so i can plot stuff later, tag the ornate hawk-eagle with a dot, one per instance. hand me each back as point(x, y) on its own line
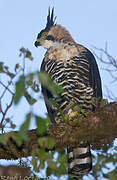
point(73, 67)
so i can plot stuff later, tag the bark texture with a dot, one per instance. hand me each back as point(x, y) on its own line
point(99, 128)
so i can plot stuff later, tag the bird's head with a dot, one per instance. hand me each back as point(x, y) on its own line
point(53, 34)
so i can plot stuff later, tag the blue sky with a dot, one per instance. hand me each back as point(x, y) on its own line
point(90, 23)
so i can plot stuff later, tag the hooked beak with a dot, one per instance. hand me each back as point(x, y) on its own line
point(37, 43)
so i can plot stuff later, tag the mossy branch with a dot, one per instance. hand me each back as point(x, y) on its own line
point(98, 128)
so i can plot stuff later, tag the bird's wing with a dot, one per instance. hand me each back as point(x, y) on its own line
point(94, 75)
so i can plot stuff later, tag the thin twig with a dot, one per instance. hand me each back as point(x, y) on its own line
point(112, 60)
point(6, 88)
point(6, 110)
point(111, 64)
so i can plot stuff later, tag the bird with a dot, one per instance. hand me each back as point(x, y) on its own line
point(73, 67)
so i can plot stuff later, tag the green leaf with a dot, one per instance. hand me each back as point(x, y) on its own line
point(6, 68)
point(47, 82)
point(20, 89)
point(8, 120)
point(113, 174)
point(22, 133)
point(42, 154)
point(29, 82)
point(29, 98)
point(13, 126)
point(16, 67)
point(25, 125)
point(51, 164)
point(62, 159)
point(4, 138)
point(34, 162)
point(35, 87)
point(11, 75)
point(41, 125)
point(49, 171)
point(61, 169)
point(42, 158)
point(22, 50)
point(42, 141)
point(26, 53)
point(30, 79)
point(46, 142)
point(29, 55)
point(50, 142)
point(1, 66)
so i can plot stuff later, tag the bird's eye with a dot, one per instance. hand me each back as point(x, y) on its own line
point(44, 34)
point(49, 37)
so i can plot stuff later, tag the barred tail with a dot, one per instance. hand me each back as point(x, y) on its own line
point(79, 160)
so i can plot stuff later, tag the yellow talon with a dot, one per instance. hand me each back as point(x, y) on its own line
point(73, 115)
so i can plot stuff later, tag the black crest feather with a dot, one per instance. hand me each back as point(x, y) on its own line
point(50, 19)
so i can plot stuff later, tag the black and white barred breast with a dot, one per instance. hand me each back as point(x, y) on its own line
point(73, 76)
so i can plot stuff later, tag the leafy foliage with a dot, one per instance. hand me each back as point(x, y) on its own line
point(41, 125)
point(26, 53)
point(47, 82)
point(5, 69)
point(24, 128)
point(29, 98)
point(19, 89)
point(53, 162)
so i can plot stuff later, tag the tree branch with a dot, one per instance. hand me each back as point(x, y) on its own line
point(14, 172)
point(98, 128)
